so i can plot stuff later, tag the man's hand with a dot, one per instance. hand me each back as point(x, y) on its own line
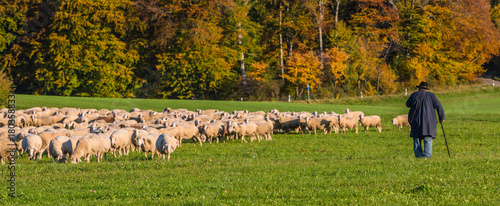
point(442, 121)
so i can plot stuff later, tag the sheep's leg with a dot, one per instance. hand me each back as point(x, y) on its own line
point(145, 154)
point(243, 139)
point(152, 155)
point(168, 156)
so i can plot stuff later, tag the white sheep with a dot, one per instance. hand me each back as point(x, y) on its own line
point(189, 132)
point(400, 121)
point(265, 129)
point(56, 148)
point(212, 130)
point(313, 124)
point(244, 129)
point(32, 144)
point(87, 146)
point(166, 144)
point(371, 121)
point(147, 143)
point(348, 122)
point(136, 134)
point(121, 141)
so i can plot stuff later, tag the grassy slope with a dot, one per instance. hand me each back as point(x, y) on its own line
point(364, 168)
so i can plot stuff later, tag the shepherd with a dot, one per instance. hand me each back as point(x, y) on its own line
point(422, 117)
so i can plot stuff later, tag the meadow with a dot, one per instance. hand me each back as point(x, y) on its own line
point(297, 169)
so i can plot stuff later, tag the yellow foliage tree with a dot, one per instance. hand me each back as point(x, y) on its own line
point(305, 71)
point(337, 58)
point(257, 71)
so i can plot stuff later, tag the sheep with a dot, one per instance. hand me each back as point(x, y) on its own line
point(87, 146)
point(289, 123)
point(347, 122)
point(188, 132)
point(400, 121)
point(32, 144)
point(313, 124)
point(59, 147)
point(121, 141)
point(212, 130)
point(244, 129)
point(39, 121)
point(147, 144)
point(105, 143)
point(331, 123)
point(7, 148)
point(265, 128)
point(47, 137)
point(166, 144)
point(136, 134)
point(18, 141)
point(371, 121)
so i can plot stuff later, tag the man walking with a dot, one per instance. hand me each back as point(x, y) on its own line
point(422, 118)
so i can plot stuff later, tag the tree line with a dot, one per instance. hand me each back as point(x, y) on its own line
point(230, 49)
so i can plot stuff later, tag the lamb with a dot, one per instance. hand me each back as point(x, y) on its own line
point(347, 122)
point(87, 146)
point(147, 144)
point(400, 121)
point(121, 141)
point(7, 148)
point(32, 144)
point(371, 121)
point(166, 144)
point(61, 146)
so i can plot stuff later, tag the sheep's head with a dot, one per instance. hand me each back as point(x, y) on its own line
point(113, 140)
point(140, 141)
point(75, 160)
point(31, 152)
point(361, 116)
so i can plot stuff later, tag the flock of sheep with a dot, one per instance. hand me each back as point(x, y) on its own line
point(71, 133)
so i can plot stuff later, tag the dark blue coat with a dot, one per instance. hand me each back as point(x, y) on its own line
point(424, 121)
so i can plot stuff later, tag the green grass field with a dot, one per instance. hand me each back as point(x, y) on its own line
point(335, 169)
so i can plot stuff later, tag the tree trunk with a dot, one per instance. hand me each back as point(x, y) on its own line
point(290, 42)
point(282, 66)
point(320, 22)
point(242, 67)
point(378, 77)
point(337, 13)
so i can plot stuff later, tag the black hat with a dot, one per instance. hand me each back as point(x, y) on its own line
point(423, 85)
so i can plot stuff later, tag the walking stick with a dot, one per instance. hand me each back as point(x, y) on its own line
point(446, 142)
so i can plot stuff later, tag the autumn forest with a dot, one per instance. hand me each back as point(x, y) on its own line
point(252, 49)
